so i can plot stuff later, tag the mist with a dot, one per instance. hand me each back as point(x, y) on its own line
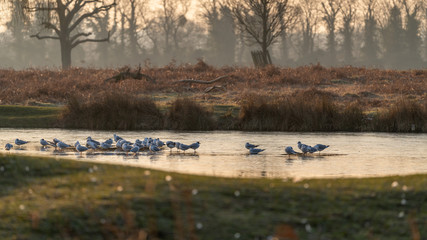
point(368, 33)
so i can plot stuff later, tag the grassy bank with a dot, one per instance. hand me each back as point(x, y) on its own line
point(29, 116)
point(43, 198)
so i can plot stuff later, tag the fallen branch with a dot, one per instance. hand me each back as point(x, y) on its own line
point(201, 81)
point(128, 74)
point(210, 89)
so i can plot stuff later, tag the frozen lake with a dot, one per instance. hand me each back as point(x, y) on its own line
point(222, 153)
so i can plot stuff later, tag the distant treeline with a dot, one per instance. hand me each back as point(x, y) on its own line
point(307, 111)
point(378, 33)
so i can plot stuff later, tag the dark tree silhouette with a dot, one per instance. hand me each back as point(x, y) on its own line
point(262, 20)
point(221, 33)
point(412, 36)
point(18, 25)
point(393, 38)
point(347, 30)
point(308, 21)
point(70, 14)
point(330, 16)
point(370, 48)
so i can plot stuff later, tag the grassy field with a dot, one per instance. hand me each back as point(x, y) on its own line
point(44, 198)
point(29, 116)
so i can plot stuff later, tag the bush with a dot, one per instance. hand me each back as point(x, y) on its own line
point(185, 114)
point(404, 116)
point(113, 111)
point(305, 111)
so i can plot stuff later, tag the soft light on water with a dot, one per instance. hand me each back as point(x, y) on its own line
point(223, 153)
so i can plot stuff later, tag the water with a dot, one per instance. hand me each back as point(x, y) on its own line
point(222, 153)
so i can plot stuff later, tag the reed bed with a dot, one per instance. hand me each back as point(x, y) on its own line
point(309, 110)
point(186, 114)
point(306, 111)
point(112, 111)
point(404, 116)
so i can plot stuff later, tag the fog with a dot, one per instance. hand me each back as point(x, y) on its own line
point(366, 33)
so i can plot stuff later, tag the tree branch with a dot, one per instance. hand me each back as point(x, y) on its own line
point(90, 14)
point(76, 43)
point(73, 38)
point(49, 25)
point(200, 81)
point(43, 37)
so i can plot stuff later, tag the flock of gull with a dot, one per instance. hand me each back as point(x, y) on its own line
point(289, 150)
point(152, 145)
point(148, 144)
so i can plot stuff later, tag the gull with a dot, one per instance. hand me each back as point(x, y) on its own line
point(170, 145)
point(121, 142)
point(307, 149)
point(62, 145)
point(183, 147)
point(126, 147)
point(56, 141)
point(178, 146)
point(311, 149)
point(91, 144)
point(195, 146)
point(80, 148)
point(255, 150)
point(138, 143)
point(135, 150)
point(303, 148)
point(159, 143)
point(290, 151)
point(154, 148)
point(300, 145)
point(45, 143)
point(249, 146)
point(94, 141)
point(117, 138)
point(105, 145)
point(20, 142)
point(320, 147)
point(8, 146)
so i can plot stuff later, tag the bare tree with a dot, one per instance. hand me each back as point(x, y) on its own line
point(18, 25)
point(133, 11)
point(172, 19)
point(308, 21)
point(221, 31)
point(330, 15)
point(347, 30)
point(412, 34)
point(370, 48)
point(393, 37)
point(263, 21)
point(68, 16)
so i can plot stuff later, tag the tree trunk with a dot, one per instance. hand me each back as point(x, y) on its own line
point(65, 54)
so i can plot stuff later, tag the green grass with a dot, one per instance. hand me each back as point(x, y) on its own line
point(44, 198)
point(28, 116)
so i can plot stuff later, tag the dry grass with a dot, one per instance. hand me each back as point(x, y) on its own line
point(405, 116)
point(55, 86)
point(112, 111)
point(186, 114)
point(310, 110)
